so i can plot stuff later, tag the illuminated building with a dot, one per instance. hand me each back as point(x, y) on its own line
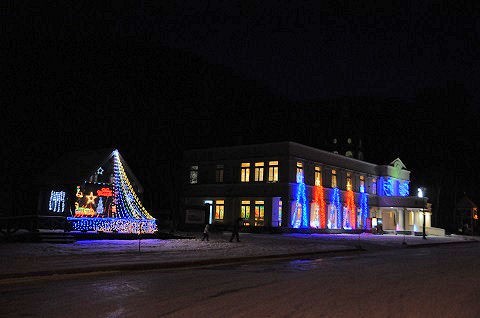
point(93, 191)
point(300, 187)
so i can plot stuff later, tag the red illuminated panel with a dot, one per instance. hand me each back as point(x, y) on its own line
point(104, 192)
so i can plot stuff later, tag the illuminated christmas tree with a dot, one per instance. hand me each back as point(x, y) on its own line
point(100, 206)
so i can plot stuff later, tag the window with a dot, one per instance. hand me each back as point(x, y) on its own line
point(334, 178)
point(219, 174)
point(374, 186)
point(245, 177)
point(259, 171)
point(219, 210)
point(318, 176)
point(299, 171)
point(349, 181)
point(273, 171)
point(259, 213)
point(245, 212)
point(193, 174)
point(362, 184)
point(410, 218)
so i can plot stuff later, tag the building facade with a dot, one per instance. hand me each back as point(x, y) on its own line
point(290, 185)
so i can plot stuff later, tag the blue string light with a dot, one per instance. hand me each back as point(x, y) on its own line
point(364, 208)
point(301, 202)
point(112, 225)
point(387, 187)
point(335, 200)
point(404, 189)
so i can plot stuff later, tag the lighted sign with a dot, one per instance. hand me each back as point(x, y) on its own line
point(105, 192)
point(82, 211)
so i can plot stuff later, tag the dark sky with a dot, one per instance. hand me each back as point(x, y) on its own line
point(302, 50)
point(145, 77)
point(311, 50)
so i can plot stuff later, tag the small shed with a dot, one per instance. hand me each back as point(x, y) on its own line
point(466, 215)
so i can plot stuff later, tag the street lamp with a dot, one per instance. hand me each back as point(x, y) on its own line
point(420, 193)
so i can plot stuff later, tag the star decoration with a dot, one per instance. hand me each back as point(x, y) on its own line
point(91, 198)
point(100, 170)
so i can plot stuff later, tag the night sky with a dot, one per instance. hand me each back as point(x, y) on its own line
point(153, 79)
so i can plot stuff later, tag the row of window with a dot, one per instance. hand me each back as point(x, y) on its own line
point(244, 174)
point(259, 174)
point(259, 171)
point(245, 208)
point(334, 184)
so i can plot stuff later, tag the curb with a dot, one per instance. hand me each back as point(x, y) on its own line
point(170, 265)
point(440, 244)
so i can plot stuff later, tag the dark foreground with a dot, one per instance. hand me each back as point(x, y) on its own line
point(440, 281)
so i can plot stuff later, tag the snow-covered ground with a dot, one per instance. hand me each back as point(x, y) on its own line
point(34, 257)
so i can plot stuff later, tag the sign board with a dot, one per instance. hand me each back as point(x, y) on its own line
point(195, 216)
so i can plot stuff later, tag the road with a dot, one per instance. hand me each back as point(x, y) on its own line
point(440, 281)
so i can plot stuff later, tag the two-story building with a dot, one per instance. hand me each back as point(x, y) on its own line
point(291, 185)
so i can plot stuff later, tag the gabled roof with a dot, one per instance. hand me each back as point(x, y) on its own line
point(465, 203)
point(75, 167)
point(397, 163)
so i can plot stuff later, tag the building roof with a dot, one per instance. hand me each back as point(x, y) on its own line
point(465, 203)
point(396, 169)
point(75, 167)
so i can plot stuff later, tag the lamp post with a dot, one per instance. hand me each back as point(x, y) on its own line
point(420, 195)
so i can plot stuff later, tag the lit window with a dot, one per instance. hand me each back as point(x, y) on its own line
point(259, 213)
point(362, 184)
point(219, 210)
point(219, 174)
point(349, 181)
point(374, 186)
point(334, 178)
point(245, 212)
point(299, 171)
point(318, 176)
point(245, 177)
point(273, 171)
point(259, 171)
point(193, 174)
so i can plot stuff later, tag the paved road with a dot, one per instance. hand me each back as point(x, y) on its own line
point(441, 281)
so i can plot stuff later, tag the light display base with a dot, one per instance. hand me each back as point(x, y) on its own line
point(113, 225)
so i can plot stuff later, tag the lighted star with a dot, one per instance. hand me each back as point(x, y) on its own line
point(100, 170)
point(91, 198)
